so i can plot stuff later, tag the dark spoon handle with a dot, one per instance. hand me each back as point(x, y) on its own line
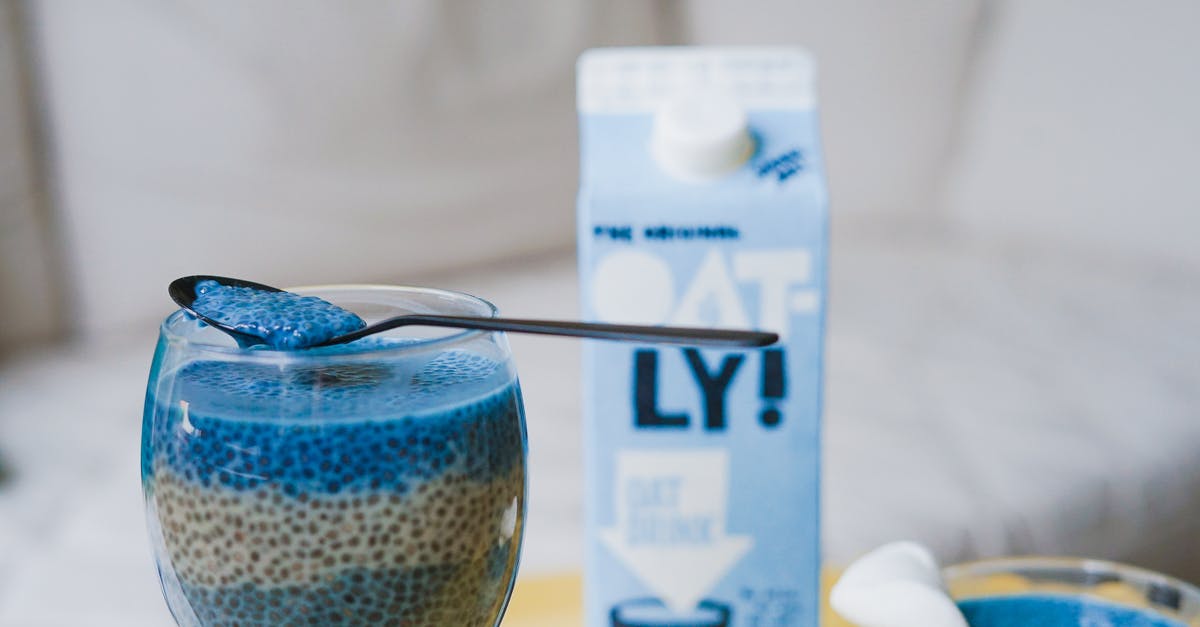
point(595, 330)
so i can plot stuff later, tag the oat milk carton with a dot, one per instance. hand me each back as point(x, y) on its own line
point(702, 203)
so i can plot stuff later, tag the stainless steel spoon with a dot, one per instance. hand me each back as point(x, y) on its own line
point(183, 292)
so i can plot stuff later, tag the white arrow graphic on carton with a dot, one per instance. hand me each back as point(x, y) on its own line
point(670, 522)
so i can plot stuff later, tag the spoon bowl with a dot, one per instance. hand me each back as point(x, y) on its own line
point(183, 292)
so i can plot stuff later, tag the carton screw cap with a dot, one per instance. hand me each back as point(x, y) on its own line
point(701, 135)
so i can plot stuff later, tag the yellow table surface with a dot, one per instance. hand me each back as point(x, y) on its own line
point(557, 601)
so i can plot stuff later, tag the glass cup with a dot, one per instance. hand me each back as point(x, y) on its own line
point(1160, 599)
point(376, 483)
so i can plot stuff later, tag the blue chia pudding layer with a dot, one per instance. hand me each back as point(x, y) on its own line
point(365, 492)
point(1057, 610)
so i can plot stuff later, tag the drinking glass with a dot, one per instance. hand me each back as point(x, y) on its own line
point(381, 482)
point(1161, 596)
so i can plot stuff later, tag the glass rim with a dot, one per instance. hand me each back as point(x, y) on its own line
point(306, 355)
point(1033, 564)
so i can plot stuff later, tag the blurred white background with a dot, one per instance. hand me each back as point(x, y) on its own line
point(381, 141)
point(1014, 352)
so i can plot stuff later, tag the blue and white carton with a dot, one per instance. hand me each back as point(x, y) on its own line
point(702, 203)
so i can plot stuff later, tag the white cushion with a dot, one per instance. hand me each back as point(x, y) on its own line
point(347, 142)
point(1084, 129)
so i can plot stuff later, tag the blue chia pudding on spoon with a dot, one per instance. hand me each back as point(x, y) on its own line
point(281, 320)
point(379, 482)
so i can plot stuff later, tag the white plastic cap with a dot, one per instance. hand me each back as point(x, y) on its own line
point(701, 135)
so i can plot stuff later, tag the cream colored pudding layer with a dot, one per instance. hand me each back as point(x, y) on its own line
point(221, 537)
